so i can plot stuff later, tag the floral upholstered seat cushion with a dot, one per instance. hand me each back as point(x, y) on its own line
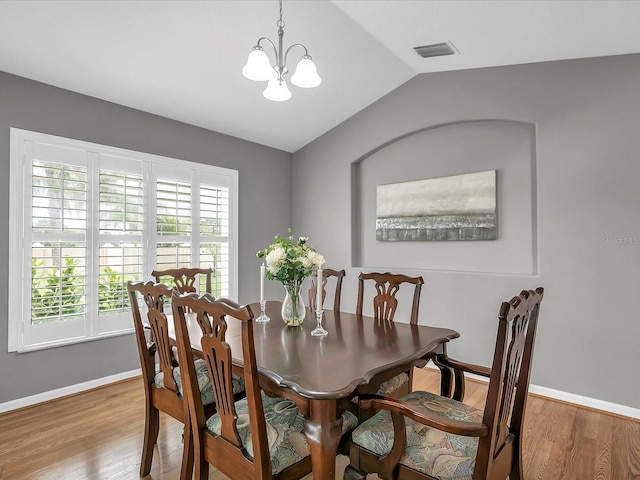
point(393, 384)
point(431, 451)
point(206, 392)
point(285, 424)
point(387, 388)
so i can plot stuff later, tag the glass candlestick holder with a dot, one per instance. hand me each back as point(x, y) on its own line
point(319, 331)
point(262, 318)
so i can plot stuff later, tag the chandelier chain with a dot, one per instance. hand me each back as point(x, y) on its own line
point(280, 23)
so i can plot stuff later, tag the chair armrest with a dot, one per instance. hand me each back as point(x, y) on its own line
point(457, 427)
point(463, 366)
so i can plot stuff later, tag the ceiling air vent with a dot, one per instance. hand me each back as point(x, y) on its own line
point(435, 50)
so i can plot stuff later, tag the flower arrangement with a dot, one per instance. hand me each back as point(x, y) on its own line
point(290, 261)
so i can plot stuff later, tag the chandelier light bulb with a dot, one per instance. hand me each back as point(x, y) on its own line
point(277, 90)
point(258, 67)
point(306, 75)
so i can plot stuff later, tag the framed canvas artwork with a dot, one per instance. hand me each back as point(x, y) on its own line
point(459, 207)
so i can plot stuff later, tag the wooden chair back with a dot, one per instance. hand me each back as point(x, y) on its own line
point(508, 386)
point(154, 296)
point(327, 274)
point(185, 279)
point(499, 453)
point(157, 346)
point(225, 451)
point(387, 286)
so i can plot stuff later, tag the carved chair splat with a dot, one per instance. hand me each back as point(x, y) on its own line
point(185, 278)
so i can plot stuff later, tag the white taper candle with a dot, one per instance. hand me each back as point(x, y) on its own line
point(262, 275)
point(319, 292)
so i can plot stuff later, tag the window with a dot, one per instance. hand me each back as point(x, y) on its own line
point(85, 219)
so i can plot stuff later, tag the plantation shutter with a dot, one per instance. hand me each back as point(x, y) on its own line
point(194, 226)
point(121, 228)
point(59, 194)
point(173, 224)
point(214, 236)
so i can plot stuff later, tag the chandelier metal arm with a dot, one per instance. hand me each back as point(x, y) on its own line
point(275, 50)
point(286, 54)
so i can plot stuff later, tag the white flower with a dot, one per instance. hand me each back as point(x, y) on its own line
point(307, 262)
point(275, 258)
point(315, 259)
point(303, 239)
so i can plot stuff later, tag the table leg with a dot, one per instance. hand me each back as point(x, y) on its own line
point(323, 431)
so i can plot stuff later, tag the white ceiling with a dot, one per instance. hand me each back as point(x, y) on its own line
point(182, 59)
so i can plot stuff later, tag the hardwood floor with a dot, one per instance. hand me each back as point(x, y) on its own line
point(98, 435)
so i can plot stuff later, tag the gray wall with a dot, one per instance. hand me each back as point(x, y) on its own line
point(264, 209)
point(579, 204)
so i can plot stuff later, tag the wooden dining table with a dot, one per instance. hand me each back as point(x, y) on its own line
point(319, 373)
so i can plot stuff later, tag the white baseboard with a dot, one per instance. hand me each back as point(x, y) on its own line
point(62, 392)
point(588, 402)
point(567, 397)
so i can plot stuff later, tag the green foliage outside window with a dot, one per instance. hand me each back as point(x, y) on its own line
point(56, 292)
point(60, 292)
point(112, 291)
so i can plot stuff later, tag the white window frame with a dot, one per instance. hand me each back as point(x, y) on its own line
point(20, 237)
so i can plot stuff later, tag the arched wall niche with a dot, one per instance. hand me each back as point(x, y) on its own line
point(456, 148)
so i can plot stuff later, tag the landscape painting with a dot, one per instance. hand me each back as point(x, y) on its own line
point(460, 207)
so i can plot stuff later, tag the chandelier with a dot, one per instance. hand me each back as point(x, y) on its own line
point(259, 69)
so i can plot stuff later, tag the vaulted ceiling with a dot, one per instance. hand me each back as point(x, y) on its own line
point(182, 59)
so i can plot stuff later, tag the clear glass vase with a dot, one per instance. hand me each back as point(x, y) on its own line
point(293, 309)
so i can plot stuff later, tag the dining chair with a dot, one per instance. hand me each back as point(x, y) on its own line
point(185, 278)
point(327, 274)
point(256, 437)
point(387, 285)
point(427, 436)
point(160, 370)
